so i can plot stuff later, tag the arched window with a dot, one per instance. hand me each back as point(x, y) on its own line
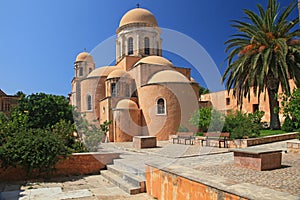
point(147, 46)
point(81, 71)
point(161, 107)
point(127, 90)
point(113, 89)
point(89, 102)
point(130, 46)
point(119, 50)
point(157, 50)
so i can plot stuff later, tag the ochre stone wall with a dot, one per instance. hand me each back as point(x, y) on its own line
point(243, 143)
point(77, 164)
point(164, 186)
point(219, 102)
point(127, 124)
point(160, 126)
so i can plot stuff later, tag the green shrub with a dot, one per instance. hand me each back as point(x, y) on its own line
point(241, 125)
point(291, 108)
point(182, 128)
point(201, 119)
point(288, 124)
point(33, 149)
point(207, 118)
point(199, 134)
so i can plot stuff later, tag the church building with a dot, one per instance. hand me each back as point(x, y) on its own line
point(7, 102)
point(143, 93)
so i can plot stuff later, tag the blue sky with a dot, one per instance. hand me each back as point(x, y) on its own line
point(39, 40)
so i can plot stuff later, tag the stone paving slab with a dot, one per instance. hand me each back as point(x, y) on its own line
point(91, 187)
point(52, 193)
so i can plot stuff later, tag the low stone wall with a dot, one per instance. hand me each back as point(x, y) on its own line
point(293, 147)
point(243, 143)
point(165, 184)
point(76, 164)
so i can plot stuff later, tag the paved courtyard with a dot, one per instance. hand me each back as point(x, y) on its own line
point(211, 162)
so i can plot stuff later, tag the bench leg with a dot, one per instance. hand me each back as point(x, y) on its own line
point(223, 142)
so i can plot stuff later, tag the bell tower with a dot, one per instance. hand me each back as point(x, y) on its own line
point(83, 65)
point(138, 35)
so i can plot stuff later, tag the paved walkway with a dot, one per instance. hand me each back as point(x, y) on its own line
point(210, 162)
point(92, 187)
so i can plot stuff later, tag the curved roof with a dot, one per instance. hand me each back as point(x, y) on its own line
point(84, 56)
point(126, 104)
point(102, 71)
point(138, 15)
point(116, 73)
point(168, 76)
point(155, 60)
point(193, 80)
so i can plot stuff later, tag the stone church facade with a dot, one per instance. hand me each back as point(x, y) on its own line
point(143, 93)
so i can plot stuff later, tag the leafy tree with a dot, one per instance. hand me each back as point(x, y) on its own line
point(37, 133)
point(33, 149)
point(90, 134)
point(264, 54)
point(182, 128)
point(291, 110)
point(201, 119)
point(20, 94)
point(203, 90)
point(207, 118)
point(43, 110)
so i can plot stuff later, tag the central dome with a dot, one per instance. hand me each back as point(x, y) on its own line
point(155, 60)
point(138, 15)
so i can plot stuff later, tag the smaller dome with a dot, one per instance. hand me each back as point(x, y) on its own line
point(102, 71)
point(168, 76)
point(193, 80)
point(138, 15)
point(84, 56)
point(116, 73)
point(126, 104)
point(155, 60)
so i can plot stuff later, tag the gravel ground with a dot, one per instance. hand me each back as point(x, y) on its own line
point(285, 179)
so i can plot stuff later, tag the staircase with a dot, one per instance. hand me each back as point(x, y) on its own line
point(128, 173)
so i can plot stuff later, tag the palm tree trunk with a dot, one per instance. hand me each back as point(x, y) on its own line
point(299, 8)
point(274, 109)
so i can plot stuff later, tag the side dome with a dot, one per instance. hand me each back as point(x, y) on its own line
point(138, 15)
point(168, 76)
point(84, 56)
point(126, 104)
point(116, 74)
point(102, 71)
point(155, 60)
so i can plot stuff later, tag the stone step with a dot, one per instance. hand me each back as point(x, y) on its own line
point(132, 167)
point(129, 177)
point(118, 181)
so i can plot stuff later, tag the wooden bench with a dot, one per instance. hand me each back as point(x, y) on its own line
point(257, 158)
point(184, 136)
point(215, 136)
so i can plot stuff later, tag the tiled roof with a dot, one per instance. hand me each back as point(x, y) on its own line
point(2, 93)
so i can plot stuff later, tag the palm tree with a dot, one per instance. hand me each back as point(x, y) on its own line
point(299, 8)
point(264, 54)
